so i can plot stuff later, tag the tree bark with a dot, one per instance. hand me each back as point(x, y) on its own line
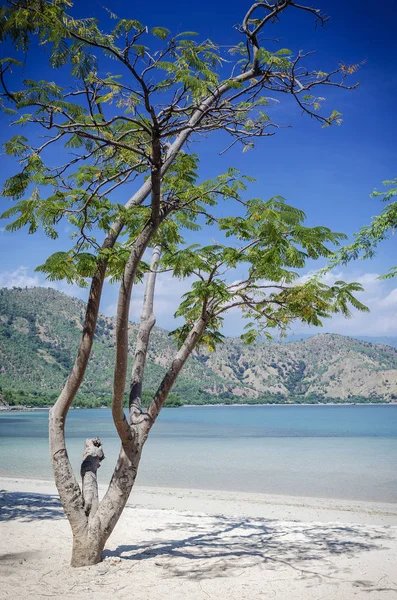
point(174, 369)
point(92, 458)
point(74, 381)
point(66, 482)
point(92, 521)
point(87, 547)
point(123, 307)
point(118, 492)
point(147, 323)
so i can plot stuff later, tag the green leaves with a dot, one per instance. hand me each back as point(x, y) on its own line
point(112, 130)
point(16, 186)
point(334, 117)
point(70, 267)
point(390, 275)
point(269, 245)
point(388, 194)
point(160, 32)
point(127, 25)
point(369, 237)
point(344, 297)
point(16, 146)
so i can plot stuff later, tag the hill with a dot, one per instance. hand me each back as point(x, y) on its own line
point(40, 330)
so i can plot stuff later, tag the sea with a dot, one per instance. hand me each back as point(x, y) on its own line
point(343, 452)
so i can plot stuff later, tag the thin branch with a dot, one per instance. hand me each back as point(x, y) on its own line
point(143, 335)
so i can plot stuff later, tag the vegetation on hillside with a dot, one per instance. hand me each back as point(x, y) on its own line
point(40, 330)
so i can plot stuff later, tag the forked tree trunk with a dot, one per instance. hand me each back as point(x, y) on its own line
point(91, 521)
point(89, 540)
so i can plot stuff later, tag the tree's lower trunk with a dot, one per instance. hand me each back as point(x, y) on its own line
point(87, 548)
point(90, 536)
point(91, 521)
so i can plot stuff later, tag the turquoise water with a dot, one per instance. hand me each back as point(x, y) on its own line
point(320, 451)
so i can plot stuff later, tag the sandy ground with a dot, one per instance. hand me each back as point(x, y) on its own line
point(198, 545)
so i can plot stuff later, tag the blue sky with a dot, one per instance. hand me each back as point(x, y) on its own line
point(329, 173)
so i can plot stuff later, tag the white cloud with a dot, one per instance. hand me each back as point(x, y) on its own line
point(379, 295)
point(381, 298)
point(390, 300)
point(18, 278)
point(21, 277)
point(68, 288)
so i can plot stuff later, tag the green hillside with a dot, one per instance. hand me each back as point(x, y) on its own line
point(40, 330)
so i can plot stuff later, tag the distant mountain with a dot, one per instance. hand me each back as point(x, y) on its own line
point(385, 340)
point(40, 330)
point(296, 337)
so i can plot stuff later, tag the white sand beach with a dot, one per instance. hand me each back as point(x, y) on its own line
point(200, 544)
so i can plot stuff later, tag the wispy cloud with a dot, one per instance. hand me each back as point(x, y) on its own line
point(18, 278)
point(21, 277)
point(169, 292)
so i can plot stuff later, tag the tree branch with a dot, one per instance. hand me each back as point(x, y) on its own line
point(123, 307)
point(175, 368)
point(92, 458)
point(142, 341)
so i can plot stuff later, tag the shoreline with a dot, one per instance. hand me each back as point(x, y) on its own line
point(21, 408)
point(292, 404)
point(251, 504)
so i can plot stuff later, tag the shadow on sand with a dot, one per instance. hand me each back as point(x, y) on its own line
point(29, 507)
point(207, 547)
point(225, 546)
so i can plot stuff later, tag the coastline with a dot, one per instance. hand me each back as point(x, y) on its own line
point(21, 408)
point(201, 544)
point(294, 404)
point(252, 504)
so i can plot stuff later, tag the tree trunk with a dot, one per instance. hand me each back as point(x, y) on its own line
point(87, 548)
point(89, 539)
point(91, 529)
point(92, 521)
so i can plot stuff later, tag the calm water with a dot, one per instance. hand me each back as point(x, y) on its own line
point(336, 451)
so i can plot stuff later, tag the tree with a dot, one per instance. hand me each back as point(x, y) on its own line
point(369, 237)
point(133, 128)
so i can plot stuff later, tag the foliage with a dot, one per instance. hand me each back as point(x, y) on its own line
point(113, 129)
point(370, 236)
point(271, 243)
point(129, 126)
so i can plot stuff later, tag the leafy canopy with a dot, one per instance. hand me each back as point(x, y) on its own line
point(118, 127)
point(381, 228)
point(130, 87)
point(270, 244)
